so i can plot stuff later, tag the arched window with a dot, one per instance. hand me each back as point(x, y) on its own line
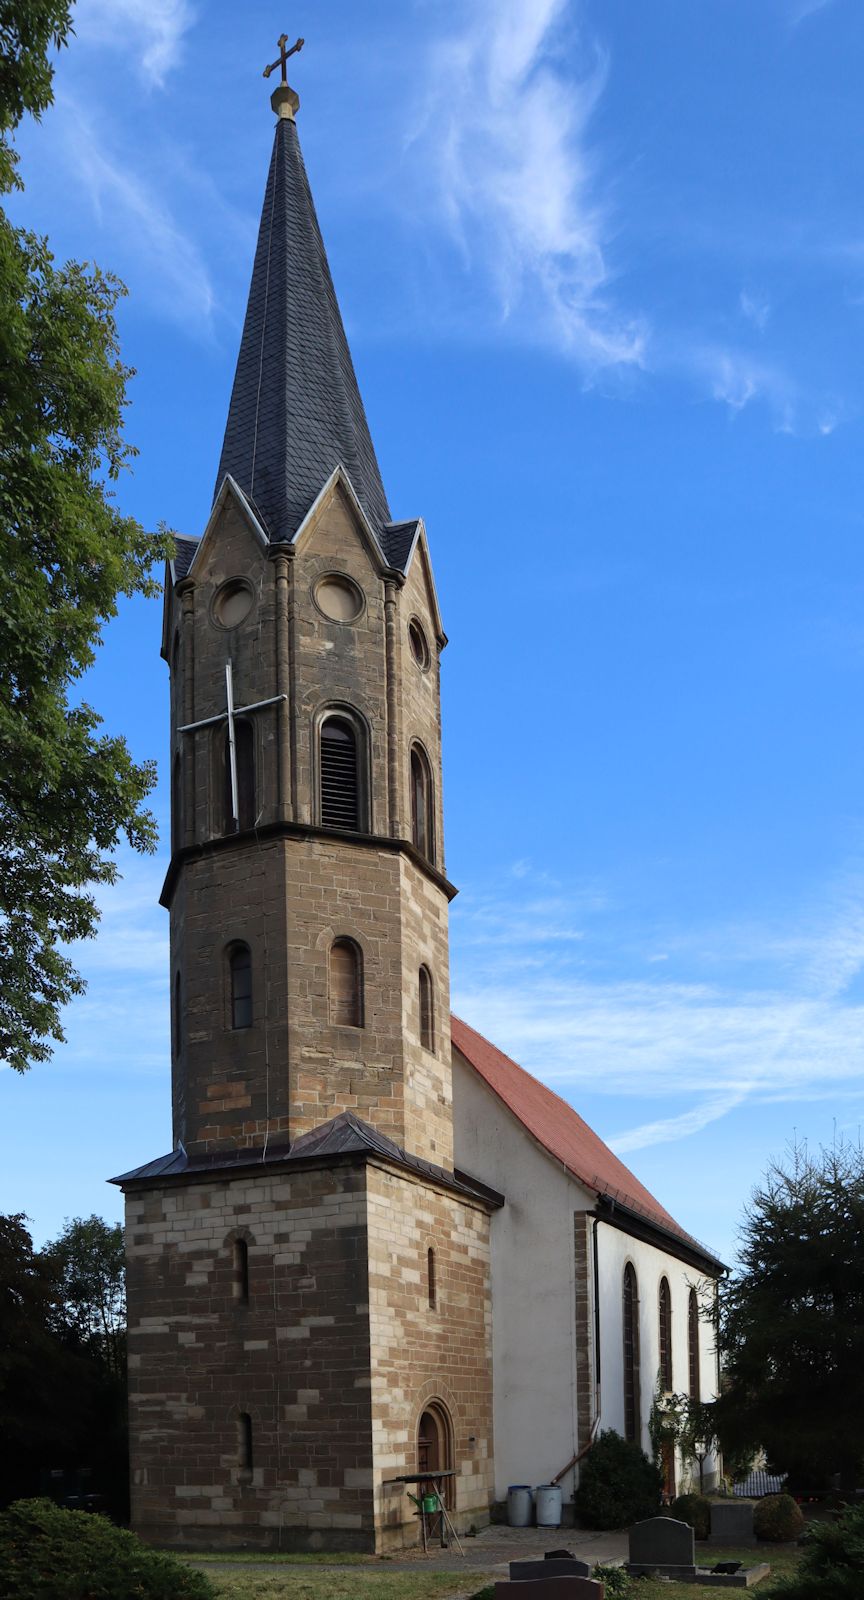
point(244, 755)
point(178, 1016)
point(422, 804)
point(240, 978)
point(427, 1010)
point(693, 1344)
point(241, 1271)
point(245, 1459)
point(431, 1285)
point(631, 1355)
point(346, 984)
point(664, 1308)
point(340, 774)
point(176, 802)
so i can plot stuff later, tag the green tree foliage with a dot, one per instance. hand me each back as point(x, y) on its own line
point(695, 1509)
point(62, 1378)
point(777, 1518)
point(617, 1484)
point(50, 1554)
point(792, 1325)
point(89, 1268)
point(832, 1564)
point(67, 793)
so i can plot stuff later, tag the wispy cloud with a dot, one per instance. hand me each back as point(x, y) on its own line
point(755, 307)
point(156, 255)
point(150, 33)
point(504, 129)
point(797, 1035)
point(799, 10)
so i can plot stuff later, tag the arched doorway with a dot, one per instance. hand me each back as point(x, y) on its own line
point(435, 1445)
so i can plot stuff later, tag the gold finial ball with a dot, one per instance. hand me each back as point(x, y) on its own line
point(285, 101)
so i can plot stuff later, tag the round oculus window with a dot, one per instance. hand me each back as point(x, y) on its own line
point(419, 645)
point(338, 598)
point(233, 603)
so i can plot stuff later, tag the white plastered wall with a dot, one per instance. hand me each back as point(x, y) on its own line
point(614, 1249)
point(533, 1297)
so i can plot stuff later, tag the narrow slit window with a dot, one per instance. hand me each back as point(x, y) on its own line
point(346, 984)
point(422, 807)
point(340, 786)
point(631, 1355)
point(431, 1282)
point(693, 1344)
point(245, 1459)
point(244, 755)
point(665, 1315)
point(240, 971)
point(241, 1271)
point(427, 1010)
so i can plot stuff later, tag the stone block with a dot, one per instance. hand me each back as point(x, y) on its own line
point(664, 1545)
point(551, 1567)
point(551, 1589)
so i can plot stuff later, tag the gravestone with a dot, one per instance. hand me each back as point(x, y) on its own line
point(549, 1567)
point(732, 1522)
point(573, 1588)
point(663, 1545)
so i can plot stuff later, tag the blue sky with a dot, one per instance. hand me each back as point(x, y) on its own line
point(602, 269)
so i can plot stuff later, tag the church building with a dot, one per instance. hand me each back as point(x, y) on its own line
point(378, 1247)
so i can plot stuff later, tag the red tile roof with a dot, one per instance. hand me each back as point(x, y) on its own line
point(558, 1128)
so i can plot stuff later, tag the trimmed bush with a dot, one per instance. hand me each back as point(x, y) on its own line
point(47, 1553)
point(832, 1562)
point(617, 1484)
point(695, 1509)
point(777, 1518)
point(617, 1584)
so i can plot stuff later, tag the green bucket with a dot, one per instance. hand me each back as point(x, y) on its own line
point(430, 1504)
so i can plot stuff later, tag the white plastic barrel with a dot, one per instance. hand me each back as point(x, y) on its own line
point(519, 1505)
point(548, 1505)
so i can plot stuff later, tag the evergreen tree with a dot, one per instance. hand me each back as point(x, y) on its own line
point(792, 1325)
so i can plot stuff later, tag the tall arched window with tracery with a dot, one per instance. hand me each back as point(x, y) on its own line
point(346, 984)
point(632, 1424)
point(693, 1344)
point(341, 790)
point(422, 803)
point(664, 1312)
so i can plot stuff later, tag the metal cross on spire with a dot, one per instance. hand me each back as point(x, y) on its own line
point(282, 60)
point(229, 715)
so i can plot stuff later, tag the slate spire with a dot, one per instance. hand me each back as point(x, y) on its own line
point(295, 411)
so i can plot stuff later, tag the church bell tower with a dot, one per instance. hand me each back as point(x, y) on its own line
point(308, 1276)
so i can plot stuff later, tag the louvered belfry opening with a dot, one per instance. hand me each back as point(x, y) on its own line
point(340, 788)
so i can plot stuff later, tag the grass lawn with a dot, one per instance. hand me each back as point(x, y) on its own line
point(308, 1578)
point(297, 1583)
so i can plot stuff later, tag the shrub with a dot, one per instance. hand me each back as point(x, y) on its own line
point(617, 1583)
point(777, 1518)
point(617, 1484)
point(832, 1562)
point(47, 1553)
point(695, 1509)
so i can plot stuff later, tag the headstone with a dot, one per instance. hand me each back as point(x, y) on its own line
point(551, 1589)
point(664, 1545)
point(549, 1567)
point(732, 1522)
